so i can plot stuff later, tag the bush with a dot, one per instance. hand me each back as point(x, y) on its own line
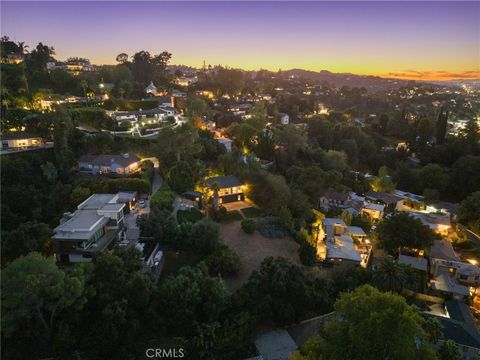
point(249, 225)
point(163, 198)
point(269, 227)
point(224, 261)
point(307, 254)
point(205, 236)
point(190, 216)
point(217, 215)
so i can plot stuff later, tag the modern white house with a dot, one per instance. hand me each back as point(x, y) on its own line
point(92, 228)
point(20, 140)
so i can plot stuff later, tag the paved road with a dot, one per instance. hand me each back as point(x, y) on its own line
point(157, 181)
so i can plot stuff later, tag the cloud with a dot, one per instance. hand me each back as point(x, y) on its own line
point(434, 75)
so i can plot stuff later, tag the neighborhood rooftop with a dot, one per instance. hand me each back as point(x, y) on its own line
point(224, 181)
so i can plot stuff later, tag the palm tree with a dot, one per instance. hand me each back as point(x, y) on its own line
point(215, 187)
point(84, 86)
point(390, 275)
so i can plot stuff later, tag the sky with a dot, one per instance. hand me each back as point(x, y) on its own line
point(419, 40)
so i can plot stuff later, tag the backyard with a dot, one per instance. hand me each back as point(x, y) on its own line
point(252, 249)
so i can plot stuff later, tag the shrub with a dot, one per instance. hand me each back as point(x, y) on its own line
point(249, 225)
point(163, 198)
point(205, 236)
point(307, 254)
point(191, 216)
point(269, 227)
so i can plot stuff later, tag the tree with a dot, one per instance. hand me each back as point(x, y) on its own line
point(449, 350)
point(424, 132)
point(383, 121)
point(292, 138)
point(441, 126)
point(465, 176)
point(243, 134)
point(390, 275)
point(403, 231)
point(27, 237)
point(62, 130)
point(248, 225)
point(122, 58)
point(36, 291)
point(205, 236)
point(282, 292)
point(431, 176)
point(180, 178)
point(383, 182)
point(224, 262)
point(191, 297)
point(363, 329)
point(434, 328)
point(270, 191)
point(469, 212)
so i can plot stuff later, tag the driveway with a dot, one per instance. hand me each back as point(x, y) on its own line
point(252, 249)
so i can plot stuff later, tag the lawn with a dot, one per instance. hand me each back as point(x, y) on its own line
point(252, 249)
point(252, 212)
point(191, 216)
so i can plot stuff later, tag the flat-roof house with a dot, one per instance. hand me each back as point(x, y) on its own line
point(20, 140)
point(338, 245)
point(373, 211)
point(437, 222)
point(230, 188)
point(449, 274)
point(92, 228)
point(124, 164)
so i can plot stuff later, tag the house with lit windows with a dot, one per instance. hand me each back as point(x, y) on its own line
point(93, 228)
point(230, 188)
point(124, 164)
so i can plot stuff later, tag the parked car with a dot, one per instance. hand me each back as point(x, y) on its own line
point(142, 203)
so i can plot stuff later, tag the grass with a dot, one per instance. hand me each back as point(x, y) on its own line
point(252, 212)
point(232, 216)
point(191, 216)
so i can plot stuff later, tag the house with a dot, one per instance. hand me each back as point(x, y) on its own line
point(416, 262)
point(151, 89)
point(129, 198)
point(333, 199)
point(124, 164)
point(20, 140)
point(152, 115)
point(390, 201)
point(92, 228)
point(225, 142)
point(459, 326)
point(275, 345)
point(284, 119)
point(437, 222)
point(194, 198)
point(337, 244)
point(230, 188)
point(449, 274)
point(373, 211)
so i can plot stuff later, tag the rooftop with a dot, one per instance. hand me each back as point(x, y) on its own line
point(419, 263)
point(386, 198)
point(275, 345)
point(342, 248)
point(107, 160)
point(96, 201)
point(224, 181)
point(81, 226)
point(443, 249)
point(18, 135)
point(375, 207)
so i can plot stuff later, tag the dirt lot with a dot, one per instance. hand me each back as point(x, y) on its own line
point(252, 249)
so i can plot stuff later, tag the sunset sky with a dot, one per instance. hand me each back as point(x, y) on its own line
point(423, 40)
